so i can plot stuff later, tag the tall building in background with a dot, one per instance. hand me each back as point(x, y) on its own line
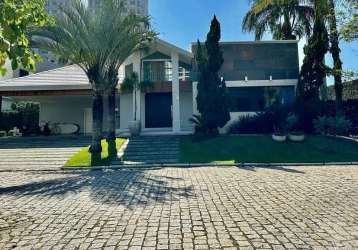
point(139, 7)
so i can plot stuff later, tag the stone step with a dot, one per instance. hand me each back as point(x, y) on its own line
point(166, 161)
point(151, 150)
point(171, 143)
point(149, 154)
point(139, 158)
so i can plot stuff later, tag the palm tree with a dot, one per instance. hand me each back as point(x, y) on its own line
point(284, 19)
point(98, 42)
point(289, 19)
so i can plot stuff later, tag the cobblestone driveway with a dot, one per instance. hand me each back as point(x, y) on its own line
point(39, 152)
point(202, 208)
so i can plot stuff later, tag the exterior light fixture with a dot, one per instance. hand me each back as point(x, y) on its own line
point(246, 78)
point(270, 78)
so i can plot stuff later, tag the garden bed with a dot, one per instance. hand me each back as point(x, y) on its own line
point(262, 149)
point(83, 157)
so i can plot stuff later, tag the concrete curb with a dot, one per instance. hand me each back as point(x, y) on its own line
point(67, 170)
point(193, 165)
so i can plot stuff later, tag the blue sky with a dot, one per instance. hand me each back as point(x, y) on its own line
point(182, 22)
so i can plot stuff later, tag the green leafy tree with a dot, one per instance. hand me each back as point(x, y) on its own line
point(16, 17)
point(349, 21)
point(98, 42)
point(212, 99)
point(284, 19)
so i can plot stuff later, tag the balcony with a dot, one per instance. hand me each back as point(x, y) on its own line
point(161, 71)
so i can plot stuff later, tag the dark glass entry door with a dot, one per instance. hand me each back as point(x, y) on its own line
point(158, 110)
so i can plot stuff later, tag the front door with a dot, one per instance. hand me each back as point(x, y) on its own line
point(158, 110)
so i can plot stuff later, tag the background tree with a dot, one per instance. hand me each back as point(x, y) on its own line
point(211, 99)
point(98, 42)
point(284, 19)
point(16, 16)
point(335, 52)
point(349, 21)
point(291, 19)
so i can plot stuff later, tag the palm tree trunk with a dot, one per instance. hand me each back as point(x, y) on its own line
point(111, 138)
point(0, 109)
point(97, 115)
point(335, 51)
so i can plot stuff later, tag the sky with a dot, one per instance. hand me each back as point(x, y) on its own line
point(182, 22)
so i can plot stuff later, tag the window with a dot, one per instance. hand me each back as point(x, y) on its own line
point(128, 70)
point(157, 71)
point(253, 99)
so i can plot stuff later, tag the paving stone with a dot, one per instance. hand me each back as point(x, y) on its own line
point(175, 208)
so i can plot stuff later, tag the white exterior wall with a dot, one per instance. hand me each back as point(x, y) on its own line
point(186, 110)
point(63, 111)
point(126, 114)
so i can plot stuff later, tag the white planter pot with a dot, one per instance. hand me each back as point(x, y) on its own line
point(134, 128)
point(296, 138)
point(279, 138)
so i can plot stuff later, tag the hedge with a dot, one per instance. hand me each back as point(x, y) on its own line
point(25, 116)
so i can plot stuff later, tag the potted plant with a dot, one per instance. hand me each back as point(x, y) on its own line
point(278, 116)
point(132, 84)
point(293, 125)
point(279, 134)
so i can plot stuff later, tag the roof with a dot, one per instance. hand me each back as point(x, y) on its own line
point(180, 51)
point(69, 77)
point(255, 42)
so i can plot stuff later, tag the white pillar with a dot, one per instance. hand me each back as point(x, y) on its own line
point(136, 69)
point(195, 94)
point(175, 93)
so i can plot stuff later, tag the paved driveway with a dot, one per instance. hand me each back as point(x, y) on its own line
point(173, 208)
point(38, 152)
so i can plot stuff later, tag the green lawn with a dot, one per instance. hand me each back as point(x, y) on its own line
point(262, 149)
point(83, 157)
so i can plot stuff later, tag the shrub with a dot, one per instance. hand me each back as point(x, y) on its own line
point(271, 120)
point(260, 123)
point(338, 125)
point(200, 131)
point(342, 126)
point(25, 116)
point(323, 125)
point(307, 112)
point(292, 122)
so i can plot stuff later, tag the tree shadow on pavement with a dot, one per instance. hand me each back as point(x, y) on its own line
point(129, 188)
point(279, 168)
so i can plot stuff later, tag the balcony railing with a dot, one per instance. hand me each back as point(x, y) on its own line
point(161, 71)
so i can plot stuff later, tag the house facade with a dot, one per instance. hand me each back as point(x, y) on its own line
point(257, 74)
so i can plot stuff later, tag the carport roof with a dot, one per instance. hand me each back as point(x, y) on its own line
point(69, 77)
point(72, 77)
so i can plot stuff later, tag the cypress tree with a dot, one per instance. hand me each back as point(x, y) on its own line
point(212, 98)
point(314, 70)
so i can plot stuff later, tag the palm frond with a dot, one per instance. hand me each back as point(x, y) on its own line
point(98, 41)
